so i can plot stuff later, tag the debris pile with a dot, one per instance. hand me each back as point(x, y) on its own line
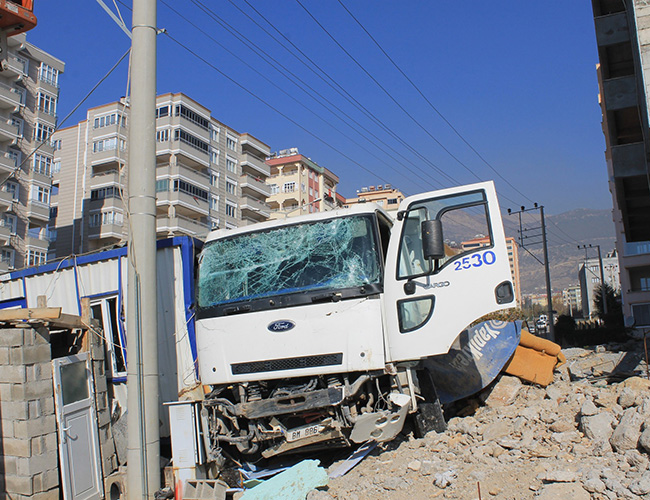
point(585, 436)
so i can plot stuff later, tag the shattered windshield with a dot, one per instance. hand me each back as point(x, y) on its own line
point(325, 255)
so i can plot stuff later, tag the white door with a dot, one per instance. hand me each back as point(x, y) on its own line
point(430, 301)
point(81, 474)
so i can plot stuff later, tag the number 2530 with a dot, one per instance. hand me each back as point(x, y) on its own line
point(477, 260)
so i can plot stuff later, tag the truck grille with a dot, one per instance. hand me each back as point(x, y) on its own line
point(287, 364)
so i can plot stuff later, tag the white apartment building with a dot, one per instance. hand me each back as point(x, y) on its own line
point(29, 91)
point(589, 277)
point(208, 175)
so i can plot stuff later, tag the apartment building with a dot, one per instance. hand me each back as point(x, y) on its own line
point(513, 259)
point(29, 91)
point(623, 39)
point(299, 185)
point(589, 277)
point(208, 175)
point(385, 195)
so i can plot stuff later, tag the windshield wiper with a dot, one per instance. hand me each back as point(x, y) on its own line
point(236, 309)
point(327, 297)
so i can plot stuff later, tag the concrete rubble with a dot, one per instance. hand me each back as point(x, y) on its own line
point(585, 436)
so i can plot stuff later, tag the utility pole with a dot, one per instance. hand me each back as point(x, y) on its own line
point(533, 236)
point(143, 448)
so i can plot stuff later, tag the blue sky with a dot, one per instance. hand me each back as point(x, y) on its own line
point(517, 80)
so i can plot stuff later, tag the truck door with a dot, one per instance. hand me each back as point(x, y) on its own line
point(430, 300)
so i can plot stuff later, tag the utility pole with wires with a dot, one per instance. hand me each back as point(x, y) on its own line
point(602, 272)
point(530, 236)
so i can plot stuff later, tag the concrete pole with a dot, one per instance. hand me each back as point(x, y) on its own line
point(143, 453)
point(547, 273)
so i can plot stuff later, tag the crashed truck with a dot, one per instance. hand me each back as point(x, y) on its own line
point(315, 331)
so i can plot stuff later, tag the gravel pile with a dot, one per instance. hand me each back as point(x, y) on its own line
point(585, 436)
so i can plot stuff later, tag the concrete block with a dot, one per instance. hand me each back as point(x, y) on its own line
point(40, 336)
point(36, 464)
point(12, 374)
point(101, 401)
point(4, 355)
point(37, 483)
point(44, 444)
point(6, 391)
point(52, 494)
point(9, 466)
point(103, 417)
point(51, 479)
point(100, 384)
point(33, 390)
point(19, 484)
point(47, 406)
point(11, 337)
point(17, 447)
point(97, 352)
point(14, 410)
point(28, 429)
point(30, 354)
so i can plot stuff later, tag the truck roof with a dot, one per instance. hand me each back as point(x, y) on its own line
point(357, 209)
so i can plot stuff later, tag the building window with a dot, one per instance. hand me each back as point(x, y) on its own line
point(189, 139)
point(231, 143)
point(48, 74)
point(36, 257)
point(56, 144)
point(41, 194)
point(214, 133)
point(162, 135)
point(392, 201)
point(105, 192)
point(42, 164)
point(7, 256)
point(12, 188)
point(231, 209)
point(214, 203)
point(289, 187)
point(108, 120)
point(192, 116)
point(231, 165)
point(54, 212)
point(162, 111)
point(46, 103)
point(56, 167)
point(231, 187)
point(105, 218)
point(275, 189)
point(191, 189)
point(42, 133)
point(214, 179)
point(214, 156)
point(10, 222)
point(109, 144)
point(162, 185)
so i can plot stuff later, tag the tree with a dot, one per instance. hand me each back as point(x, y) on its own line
point(614, 316)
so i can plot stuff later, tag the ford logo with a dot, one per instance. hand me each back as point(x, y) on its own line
point(283, 325)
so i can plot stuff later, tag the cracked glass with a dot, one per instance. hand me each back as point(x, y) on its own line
point(325, 255)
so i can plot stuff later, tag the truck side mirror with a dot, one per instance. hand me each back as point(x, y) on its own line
point(433, 245)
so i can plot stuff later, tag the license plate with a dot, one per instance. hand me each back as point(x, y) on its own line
point(302, 432)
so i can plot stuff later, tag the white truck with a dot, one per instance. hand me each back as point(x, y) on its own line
point(311, 330)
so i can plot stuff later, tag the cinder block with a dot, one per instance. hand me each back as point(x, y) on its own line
point(103, 418)
point(100, 384)
point(27, 429)
point(52, 494)
point(47, 406)
point(12, 374)
point(11, 337)
point(9, 464)
point(19, 484)
point(6, 391)
point(37, 482)
point(17, 447)
point(33, 390)
point(36, 464)
point(4, 355)
point(51, 479)
point(97, 352)
point(14, 410)
point(30, 354)
point(40, 336)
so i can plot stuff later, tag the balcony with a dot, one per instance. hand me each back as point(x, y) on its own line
point(5, 235)
point(38, 210)
point(254, 208)
point(111, 156)
point(191, 156)
point(10, 98)
point(105, 178)
point(105, 203)
point(14, 68)
point(254, 166)
point(105, 231)
point(628, 160)
point(45, 117)
point(9, 132)
point(6, 200)
point(620, 93)
point(182, 225)
point(192, 175)
point(39, 177)
point(41, 243)
point(255, 185)
point(612, 29)
point(7, 163)
point(184, 204)
point(250, 143)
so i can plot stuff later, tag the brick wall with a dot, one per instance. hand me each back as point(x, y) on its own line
point(28, 441)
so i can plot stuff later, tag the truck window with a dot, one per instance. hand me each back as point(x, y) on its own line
point(332, 254)
point(466, 228)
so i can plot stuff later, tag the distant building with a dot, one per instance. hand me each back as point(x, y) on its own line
point(29, 92)
point(299, 185)
point(384, 195)
point(623, 38)
point(572, 299)
point(208, 175)
point(589, 277)
point(513, 259)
